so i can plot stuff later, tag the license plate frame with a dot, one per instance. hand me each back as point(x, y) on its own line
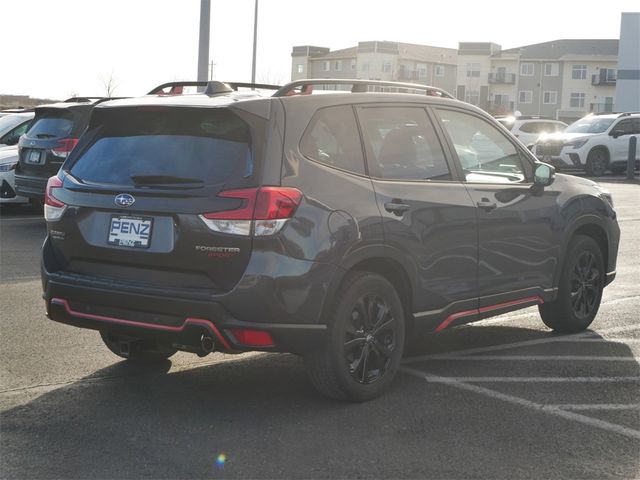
point(123, 235)
point(34, 157)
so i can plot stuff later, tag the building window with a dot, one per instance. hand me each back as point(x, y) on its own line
point(551, 69)
point(501, 100)
point(473, 70)
point(326, 66)
point(526, 69)
point(579, 72)
point(337, 66)
point(525, 96)
point(576, 100)
point(472, 97)
point(611, 75)
point(300, 68)
point(550, 98)
point(365, 67)
point(386, 66)
point(421, 68)
point(354, 64)
point(439, 71)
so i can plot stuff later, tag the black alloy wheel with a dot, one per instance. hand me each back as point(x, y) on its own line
point(585, 285)
point(370, 339)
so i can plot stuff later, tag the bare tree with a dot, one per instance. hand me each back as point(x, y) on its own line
point(109, 83)
point(271, 77)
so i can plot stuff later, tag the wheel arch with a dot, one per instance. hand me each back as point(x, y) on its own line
point(388, 265)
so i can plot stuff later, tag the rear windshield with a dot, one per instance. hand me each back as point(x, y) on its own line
point(166, 146)
point(52, 124)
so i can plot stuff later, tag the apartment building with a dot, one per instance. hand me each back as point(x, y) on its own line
point(379, 60)
point(563, 79)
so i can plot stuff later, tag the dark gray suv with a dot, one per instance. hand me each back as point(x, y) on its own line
point(332, 226)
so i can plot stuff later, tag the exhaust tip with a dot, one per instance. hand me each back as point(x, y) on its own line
point(207, 344)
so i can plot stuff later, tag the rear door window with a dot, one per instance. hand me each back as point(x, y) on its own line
point(166, 146)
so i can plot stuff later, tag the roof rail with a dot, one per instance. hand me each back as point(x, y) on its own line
point(211, 87)
point(357, 86)
point(626, 114)
point(81, 99)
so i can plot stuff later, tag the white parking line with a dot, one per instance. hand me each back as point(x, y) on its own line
point(548, 409)
point(539, 358)
point(597, 406)
point(544, 379)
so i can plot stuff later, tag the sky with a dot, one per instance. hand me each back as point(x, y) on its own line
point(58, 48)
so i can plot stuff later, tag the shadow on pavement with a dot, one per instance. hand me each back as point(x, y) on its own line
point(149, 422)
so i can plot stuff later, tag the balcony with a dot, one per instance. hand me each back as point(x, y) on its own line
point(502, 78)
point(604, 78)
point(405, 74)
point(601, 107)
point(500, 108)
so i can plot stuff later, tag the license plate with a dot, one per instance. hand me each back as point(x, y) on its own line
point(33, 157)
point(134, 232)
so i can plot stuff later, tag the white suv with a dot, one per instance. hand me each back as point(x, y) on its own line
point(527, 129)
point(596, 143)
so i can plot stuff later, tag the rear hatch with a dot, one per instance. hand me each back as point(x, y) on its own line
point(52, 136)
point(137, 186)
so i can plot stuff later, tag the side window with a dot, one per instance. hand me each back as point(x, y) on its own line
point(531, 127)
point(332, 138)
point(625, 126)
point(485, 154)
point(636, 126)
point(402, 145)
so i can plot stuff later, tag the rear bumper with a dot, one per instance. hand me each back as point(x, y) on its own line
point(288, 311)
point(31, 187)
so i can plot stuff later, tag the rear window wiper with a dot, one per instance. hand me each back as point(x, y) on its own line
point(163, 180)
point(45, 135)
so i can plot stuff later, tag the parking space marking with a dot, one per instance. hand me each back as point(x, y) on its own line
point(548, 409)
point(526, 343)
point(545, 379)
point(597, 406)
point(541, 358)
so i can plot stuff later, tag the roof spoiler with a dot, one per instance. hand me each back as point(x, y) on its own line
point(305, 87)
point(210, 88)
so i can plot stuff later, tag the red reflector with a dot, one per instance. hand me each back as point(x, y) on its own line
point(49, 197)
point(65, 145)
point(264, 203)
point(252, 338)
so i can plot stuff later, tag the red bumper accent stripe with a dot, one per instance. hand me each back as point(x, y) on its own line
point(101, 318)
point(498, 306)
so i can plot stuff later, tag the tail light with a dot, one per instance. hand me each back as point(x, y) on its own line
point(53, 208)
point(264, 210)
point(64, 147)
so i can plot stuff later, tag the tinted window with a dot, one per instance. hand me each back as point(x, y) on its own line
point(8, 122)
point(402, 144)
point(625, 126)
point(590, 125)
point(485, 154)
point(332, 138)
point(177, 145)
point(52, 125)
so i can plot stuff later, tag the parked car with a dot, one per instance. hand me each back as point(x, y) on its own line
point(8, 161)
point(528, 129)
point(333, 226)
point(12, 126)
point(595, 143)
point(53, 134)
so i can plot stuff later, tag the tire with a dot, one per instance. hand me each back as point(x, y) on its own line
point(597, 162)
point(580, 288)
point(360, 357)
point(136, 350)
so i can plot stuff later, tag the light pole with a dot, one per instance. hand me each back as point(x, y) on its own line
point(203, 46)
point(255, 43)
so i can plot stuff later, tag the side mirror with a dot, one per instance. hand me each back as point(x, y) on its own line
point(543, 175)
point(616, 133)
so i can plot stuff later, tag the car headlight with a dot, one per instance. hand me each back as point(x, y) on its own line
point(576, 143)
point(5, 167)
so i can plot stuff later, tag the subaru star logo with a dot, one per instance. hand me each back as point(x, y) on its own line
point(124, 200)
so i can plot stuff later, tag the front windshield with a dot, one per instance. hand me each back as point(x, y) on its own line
point(589, 125)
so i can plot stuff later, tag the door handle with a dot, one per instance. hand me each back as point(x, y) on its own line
point(396, 207)
point(487, 204)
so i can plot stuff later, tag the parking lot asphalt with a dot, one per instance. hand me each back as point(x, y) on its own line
point(502, 398)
